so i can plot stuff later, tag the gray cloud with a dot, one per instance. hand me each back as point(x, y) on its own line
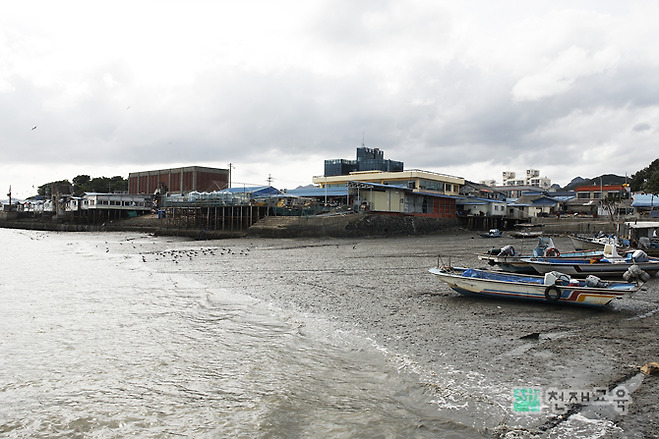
point(433, 85)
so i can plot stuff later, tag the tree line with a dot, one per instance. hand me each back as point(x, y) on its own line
point(84, 183)
point(647, 179)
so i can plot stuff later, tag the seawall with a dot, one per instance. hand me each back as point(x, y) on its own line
point(361, 224)
point(349, 225)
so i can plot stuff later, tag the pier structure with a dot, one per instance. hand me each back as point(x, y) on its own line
point(206, 216)
point(229, 210)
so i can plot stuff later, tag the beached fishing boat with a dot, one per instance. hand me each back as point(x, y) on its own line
point(527, 231)
point(552, 287)
point(583, 242)
point(492, 233)
point(507, 259)
point(611, 264)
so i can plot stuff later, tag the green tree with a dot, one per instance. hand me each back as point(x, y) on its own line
point(647, 179)
point(54, 186)
point(84, 183)
point(81, 180)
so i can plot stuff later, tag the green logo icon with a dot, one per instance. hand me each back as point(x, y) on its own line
point(526, 400)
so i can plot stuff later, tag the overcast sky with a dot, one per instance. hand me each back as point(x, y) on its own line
point(465, 88)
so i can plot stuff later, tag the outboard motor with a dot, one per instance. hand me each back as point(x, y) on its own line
point(639, 256)
point(644, 243)
point(595, 282)
point(508, 250)
point(635, 274)
point(557, 278)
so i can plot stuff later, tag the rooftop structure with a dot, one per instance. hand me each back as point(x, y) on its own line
point(368, 159)
point(415, 179)
point(226, 197)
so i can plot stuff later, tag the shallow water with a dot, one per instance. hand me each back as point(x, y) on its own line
point(103, 335)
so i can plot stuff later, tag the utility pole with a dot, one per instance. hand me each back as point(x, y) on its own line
point(230, 167)
point(270, 178)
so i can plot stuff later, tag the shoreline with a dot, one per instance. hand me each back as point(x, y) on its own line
point(358, 224)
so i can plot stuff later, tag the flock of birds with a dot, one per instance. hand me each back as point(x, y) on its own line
point(181, 255)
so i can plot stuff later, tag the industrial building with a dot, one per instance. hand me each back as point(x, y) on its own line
point(380, 185)
point(178, 180)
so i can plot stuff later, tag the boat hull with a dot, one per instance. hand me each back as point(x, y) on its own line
point(531, 288)
point(511, 264)
point(586, 268)
point(585, 244)
point(521, 264)
point(525, 234)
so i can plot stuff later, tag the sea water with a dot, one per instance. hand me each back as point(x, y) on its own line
point(97, 341)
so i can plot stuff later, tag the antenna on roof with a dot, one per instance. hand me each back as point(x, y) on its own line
point(363, 135)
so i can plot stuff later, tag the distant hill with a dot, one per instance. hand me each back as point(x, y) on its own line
point(602, 179)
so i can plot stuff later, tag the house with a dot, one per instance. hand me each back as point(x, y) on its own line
point(481, 190)
point(536, 204)
point(601, 192)
point(589, 199)
point(111, 201)
point(481, 206)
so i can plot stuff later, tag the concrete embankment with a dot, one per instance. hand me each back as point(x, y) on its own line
point(349, 225)
point(566, 225)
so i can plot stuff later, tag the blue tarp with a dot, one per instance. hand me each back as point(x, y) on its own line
point(645, 200)
point(319, 192)
point(256, 191)
point(544, 202)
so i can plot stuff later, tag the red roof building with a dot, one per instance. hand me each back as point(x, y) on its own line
point(596, 192)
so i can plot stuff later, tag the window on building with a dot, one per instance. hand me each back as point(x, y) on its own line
point(430, 185)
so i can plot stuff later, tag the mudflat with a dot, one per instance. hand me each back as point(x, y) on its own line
point(473, 355)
